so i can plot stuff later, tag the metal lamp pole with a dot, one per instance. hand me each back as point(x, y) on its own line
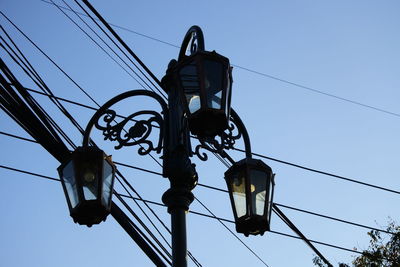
point(199, 90)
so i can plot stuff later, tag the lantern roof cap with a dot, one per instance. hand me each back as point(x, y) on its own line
point(249, 162)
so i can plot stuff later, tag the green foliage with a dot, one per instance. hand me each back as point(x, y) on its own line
point(383, 250)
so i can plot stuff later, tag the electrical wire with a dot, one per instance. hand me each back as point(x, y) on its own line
point(51, 60)
point(101, 47)
point(269, 76)
point(194, 212)
point(241, 150)
point(226, 191)
point(120, 41)
point(41, 84)
point(284, 218)
point(115, 35)
point(227, 228)
point(261, 156)
point(127, 48)
point(322, 172)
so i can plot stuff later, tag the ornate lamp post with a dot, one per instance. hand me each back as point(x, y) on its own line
point(199, 97)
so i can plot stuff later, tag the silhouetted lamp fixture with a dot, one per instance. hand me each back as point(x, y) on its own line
point(204, 80)
point(251, 186)
point(199, 97)
point(87, 179)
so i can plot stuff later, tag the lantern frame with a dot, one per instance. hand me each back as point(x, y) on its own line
point(92, 205)
point(206, 121)
point(251, 222)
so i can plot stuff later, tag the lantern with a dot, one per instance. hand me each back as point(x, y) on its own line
point(204, 80)
point(87, 179)
point(251, 184)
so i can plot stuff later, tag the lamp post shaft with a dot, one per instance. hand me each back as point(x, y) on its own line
point(179, 247)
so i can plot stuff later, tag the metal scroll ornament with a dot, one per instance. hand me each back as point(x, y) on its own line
point(226, 141)
point(137, 134)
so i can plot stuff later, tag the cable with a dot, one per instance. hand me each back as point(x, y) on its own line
point(270, 158)
point(115, 26)
point(226, 191)
point(266, 75)
point(42, 84)
point(90, 37)
point(49, 128)
point(127, 48)
point(197, 213)
point(51, 60)
point(322, 172)
point(261, 156)
point(286, 220)
point(243, 243)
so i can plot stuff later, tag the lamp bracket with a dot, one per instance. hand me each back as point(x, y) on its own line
point(137, 134)
point(227, 140)
point(133, 129)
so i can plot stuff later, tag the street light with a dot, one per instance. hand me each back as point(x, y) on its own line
point(87, 179)
point(204, 80)
point(199, 97)
point(251, 184)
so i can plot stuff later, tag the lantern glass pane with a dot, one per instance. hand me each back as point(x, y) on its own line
point(213, 83)
point(68, 176)
point(258, 189)
point(239, 194)
point(90, 181)
point(107, 182)
point(270, 195)
point(191, 86)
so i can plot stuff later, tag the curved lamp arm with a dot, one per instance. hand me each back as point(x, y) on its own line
point(104, 110)
point(242, 129)
point(195, 38)
point(235, 131)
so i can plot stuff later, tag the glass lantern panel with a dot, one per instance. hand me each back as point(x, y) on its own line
point(258, 187)
point(107, 182)
point(90, 181)
point(213, 83)
point(239, 194)
point(270, 195)
point(68, 176)
point(191, 86)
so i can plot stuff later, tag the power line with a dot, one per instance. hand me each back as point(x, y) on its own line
point(41, 85)
point(127, 48)
point(285, 219)
point(323, 172)
point(227, 228)
point(200, 202)
point(94, 41)
point(226, 191)
point(59, 153)
point(262, 156)
point(197, 213)
point(50, 59)
point(308, 88)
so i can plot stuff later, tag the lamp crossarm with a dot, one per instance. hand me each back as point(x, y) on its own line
point(226, 140)
point(138, 134)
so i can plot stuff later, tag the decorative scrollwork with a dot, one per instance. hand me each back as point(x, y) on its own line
point(137, 134)
point(193, 43)
point(217, 144)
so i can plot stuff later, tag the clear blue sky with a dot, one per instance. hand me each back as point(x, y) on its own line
point(349, 49)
